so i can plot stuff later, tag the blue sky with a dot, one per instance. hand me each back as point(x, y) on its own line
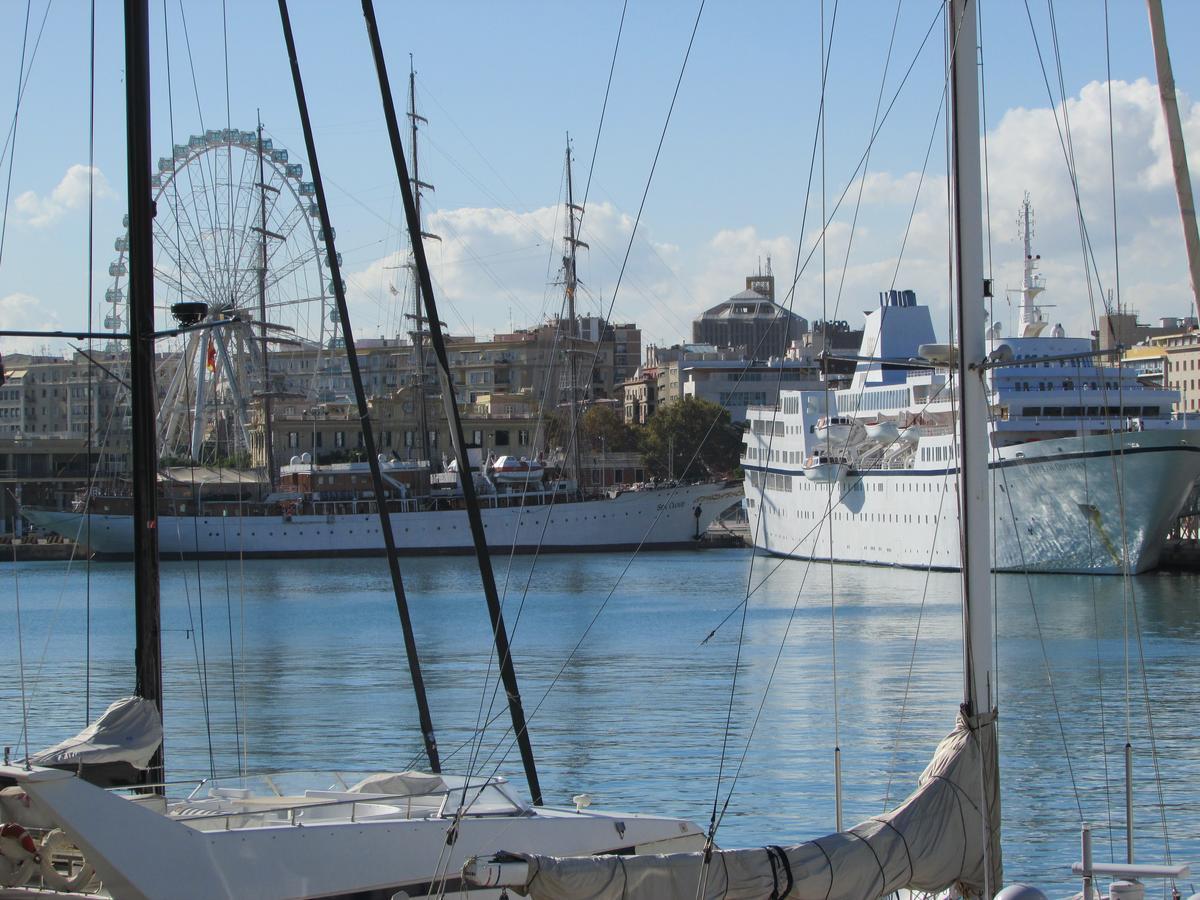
point(502, 84)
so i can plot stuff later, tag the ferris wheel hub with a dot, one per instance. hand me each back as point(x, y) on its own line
point(189, 312)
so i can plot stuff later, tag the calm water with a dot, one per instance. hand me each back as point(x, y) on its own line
point(636, 716)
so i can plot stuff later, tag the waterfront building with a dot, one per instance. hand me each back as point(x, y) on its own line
point(751, 321)
point(1173, 361)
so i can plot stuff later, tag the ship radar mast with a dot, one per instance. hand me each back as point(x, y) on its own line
point(1032, 284)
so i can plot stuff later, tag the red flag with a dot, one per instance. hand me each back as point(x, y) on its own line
point(211, 363)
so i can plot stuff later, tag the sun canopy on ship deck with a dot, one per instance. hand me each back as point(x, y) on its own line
point(206, 475)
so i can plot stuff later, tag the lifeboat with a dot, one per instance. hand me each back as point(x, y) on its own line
point(910, 434)
point(835, 429)
point(825, 468)
point(517, 470)
point(883, 431)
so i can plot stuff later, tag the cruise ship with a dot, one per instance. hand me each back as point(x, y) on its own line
point(1089, 470)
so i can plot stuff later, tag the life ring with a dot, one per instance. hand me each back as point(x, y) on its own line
point(58, 850)
point(19, 853)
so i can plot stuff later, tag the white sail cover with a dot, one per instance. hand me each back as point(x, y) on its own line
point(129, 731)
point(932, 841)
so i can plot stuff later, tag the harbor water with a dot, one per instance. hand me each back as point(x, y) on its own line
point(299, 664)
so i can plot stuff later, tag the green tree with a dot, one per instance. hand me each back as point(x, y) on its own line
point(600, 428)
point(603, 428)
point(691, 439)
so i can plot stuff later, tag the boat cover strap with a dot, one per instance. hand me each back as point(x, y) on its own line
point(779, 862)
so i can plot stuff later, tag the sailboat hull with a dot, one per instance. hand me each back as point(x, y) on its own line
point(140, 853)
point(1057, 504)
point(663, 518)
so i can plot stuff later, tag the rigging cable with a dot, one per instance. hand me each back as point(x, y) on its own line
point(16, 118)
point(1066, 145)
point(595, 355)
point(87, 625)
point(237, 723)
point(20, 647)
point(826, 53)
point(603, 109)
point(199, 646)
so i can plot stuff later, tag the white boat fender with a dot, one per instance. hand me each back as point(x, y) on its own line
point(19, 853)
point(58, 848)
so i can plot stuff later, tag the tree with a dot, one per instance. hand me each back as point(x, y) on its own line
point(604, 429)
point(690, 439)
point(600, 428)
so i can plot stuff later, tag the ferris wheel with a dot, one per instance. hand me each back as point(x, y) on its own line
point(238, 250)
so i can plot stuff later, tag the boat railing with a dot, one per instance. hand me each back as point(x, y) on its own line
point(356, 507)
point(208, 806)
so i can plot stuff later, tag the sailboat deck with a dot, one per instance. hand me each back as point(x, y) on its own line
point(313, 798)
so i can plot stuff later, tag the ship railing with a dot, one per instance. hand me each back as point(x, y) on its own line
point(358, 507)
point(885, 464)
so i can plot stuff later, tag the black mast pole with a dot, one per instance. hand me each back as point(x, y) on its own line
point(148, 647)
point(508, 673)
point(385, 523)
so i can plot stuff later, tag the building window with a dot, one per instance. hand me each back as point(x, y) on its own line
point(477, 437)
point(409, 439)
point(523, 437)
point(433, 440)
point(501, 438)
point(339, 439)
point(293, 439)
point(387, 439)
point(318, 439)
point(360, 441)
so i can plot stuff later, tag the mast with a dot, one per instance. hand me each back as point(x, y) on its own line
point(148, 646)
point(1179, 163)
point(268, 448)
point(968, 241)
point(385, 520)
point(1032, 284)
point(979, 700)
point(508, 672)
point(570, 284)
point(417, 315)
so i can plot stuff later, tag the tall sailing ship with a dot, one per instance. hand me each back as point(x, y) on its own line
point(1089, 469)
point(307, 508)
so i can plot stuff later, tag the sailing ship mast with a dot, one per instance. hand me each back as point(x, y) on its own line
point(144, 455)
point(268, 448)
point(418, 315)
point(570, 285)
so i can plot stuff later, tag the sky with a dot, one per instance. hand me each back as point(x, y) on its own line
point(739, 177)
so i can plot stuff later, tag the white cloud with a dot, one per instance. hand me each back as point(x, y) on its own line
point(70, 193)
point(494, 264)
point(1026, 155)
point(24, 312)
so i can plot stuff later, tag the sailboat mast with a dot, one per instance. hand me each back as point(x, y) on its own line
point(268, 444)
point(1179, 163)
point(508, 673)
point(418, 316)
point(968, 247)
point(148, 647)
point(571, 283)
point(979, 662)
point(339, 290)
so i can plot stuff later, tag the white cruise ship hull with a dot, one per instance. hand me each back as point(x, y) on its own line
point(661, 518)
point(1057, 507)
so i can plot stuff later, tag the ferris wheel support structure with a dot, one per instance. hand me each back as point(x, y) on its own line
point(220, 196)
